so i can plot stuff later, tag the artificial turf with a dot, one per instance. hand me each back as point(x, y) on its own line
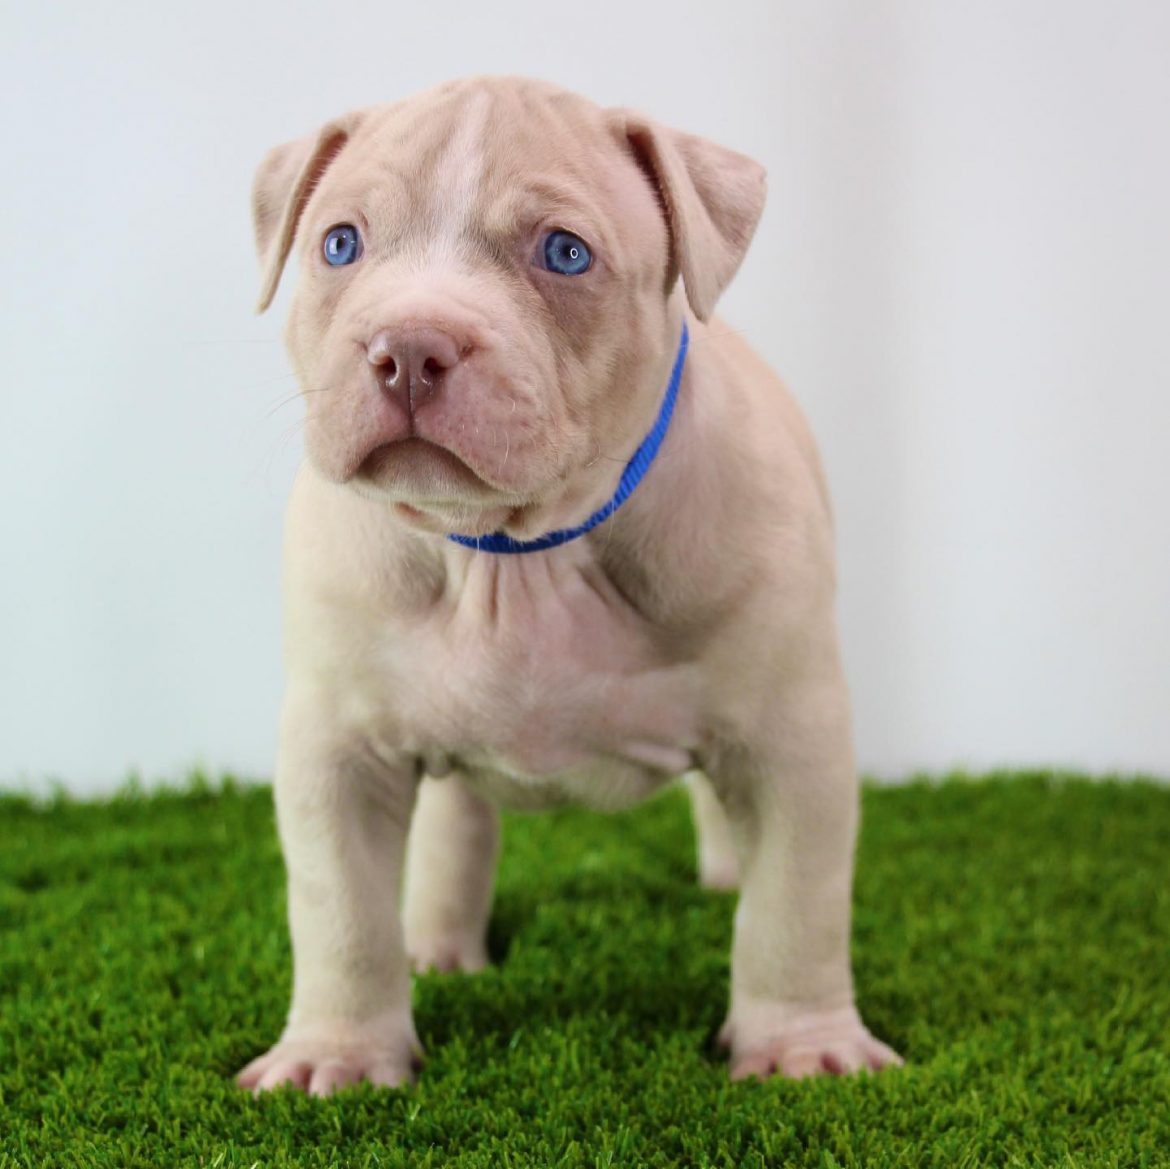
point(1012, 939)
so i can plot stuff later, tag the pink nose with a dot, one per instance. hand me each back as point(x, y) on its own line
point(412, 361)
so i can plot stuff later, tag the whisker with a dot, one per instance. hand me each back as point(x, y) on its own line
point(281, 404)
point(276, 448)
point(294, 398)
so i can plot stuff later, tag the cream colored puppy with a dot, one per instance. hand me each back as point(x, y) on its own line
point(499, 281)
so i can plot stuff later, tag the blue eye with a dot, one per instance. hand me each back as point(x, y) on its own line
point(566, 253)
point(343, 245)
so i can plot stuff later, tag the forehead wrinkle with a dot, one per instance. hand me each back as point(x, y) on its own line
point(356, 183)
point(553, 204)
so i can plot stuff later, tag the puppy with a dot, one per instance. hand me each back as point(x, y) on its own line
point(558, 536)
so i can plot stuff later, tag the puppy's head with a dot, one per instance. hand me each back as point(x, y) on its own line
point(482, 324)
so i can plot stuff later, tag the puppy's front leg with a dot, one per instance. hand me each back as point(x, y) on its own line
point(343, 814)
point(791, 796)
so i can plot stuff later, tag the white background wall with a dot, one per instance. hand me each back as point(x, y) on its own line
point(963, 271)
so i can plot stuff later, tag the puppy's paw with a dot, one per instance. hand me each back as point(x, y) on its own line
point(446, 953)
point(778, 1040)
point(720, 873)
point(325, 1059)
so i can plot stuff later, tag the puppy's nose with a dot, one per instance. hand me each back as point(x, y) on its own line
point(412, 362)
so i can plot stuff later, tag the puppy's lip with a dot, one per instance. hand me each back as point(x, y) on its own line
point(416, 466)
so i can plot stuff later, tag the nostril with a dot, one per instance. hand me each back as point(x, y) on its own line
point(380, 348)
point(390, 371)
point(432, 369)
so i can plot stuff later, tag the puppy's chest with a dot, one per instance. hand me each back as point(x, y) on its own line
point(544, 685)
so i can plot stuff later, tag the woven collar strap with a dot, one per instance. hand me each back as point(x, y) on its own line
point(636, 468)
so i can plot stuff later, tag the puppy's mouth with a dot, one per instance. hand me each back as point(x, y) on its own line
point(418, 467)
point(432, 488)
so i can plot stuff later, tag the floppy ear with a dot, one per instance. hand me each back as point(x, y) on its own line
point(283, 184)
point(713, 198)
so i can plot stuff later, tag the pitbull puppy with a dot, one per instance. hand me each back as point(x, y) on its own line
point(506, 292)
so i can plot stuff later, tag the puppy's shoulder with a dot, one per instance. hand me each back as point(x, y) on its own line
point(769, 427)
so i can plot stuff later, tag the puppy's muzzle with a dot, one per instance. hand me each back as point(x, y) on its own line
point(412, 363)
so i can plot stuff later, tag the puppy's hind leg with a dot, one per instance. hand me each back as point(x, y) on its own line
point(450, 872)
point(717, 854)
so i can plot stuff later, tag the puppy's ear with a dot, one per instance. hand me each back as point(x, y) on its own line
point(283, 184)
point(713, 198)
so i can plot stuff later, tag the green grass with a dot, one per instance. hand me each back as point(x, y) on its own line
point(1012, 939)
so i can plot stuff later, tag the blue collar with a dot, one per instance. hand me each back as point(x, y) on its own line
point(636, 468)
